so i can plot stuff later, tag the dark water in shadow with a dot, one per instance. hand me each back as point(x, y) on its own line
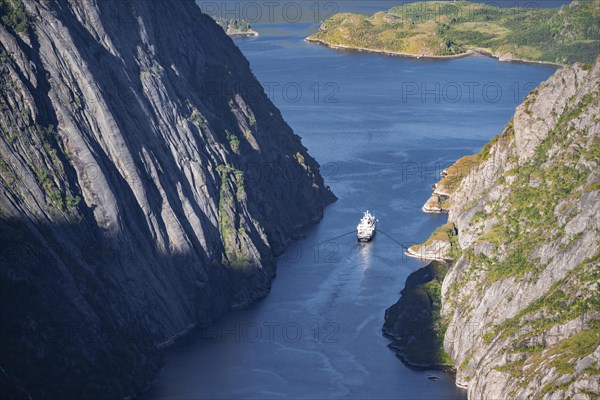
point(382, 129)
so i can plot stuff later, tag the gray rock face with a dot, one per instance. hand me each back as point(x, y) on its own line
point(522, 301)
point(146, 183)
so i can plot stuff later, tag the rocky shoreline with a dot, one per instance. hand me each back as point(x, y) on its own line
point(400, 351)
point(384, 52)
point(433, 252)
point(510, 58)
point(413, 323)
point(519, 305)
point(468, 53)
point(246, 34)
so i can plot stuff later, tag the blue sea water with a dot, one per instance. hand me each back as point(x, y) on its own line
point(382, 129)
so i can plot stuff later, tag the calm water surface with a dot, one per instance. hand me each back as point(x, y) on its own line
point(317, 10)
point(382, 128)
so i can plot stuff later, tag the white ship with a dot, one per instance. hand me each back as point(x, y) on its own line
point(367, 227)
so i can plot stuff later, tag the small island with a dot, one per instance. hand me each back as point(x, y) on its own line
point(443, 29)
point(237, 28)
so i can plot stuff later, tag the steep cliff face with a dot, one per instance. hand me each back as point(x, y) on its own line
point(414, 322)
point(521, 303)
point(146, 183)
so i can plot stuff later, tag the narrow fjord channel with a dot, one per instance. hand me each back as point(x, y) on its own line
point(382, 129)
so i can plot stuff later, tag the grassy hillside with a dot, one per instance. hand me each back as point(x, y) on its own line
point(526, 273)
point(557, 35)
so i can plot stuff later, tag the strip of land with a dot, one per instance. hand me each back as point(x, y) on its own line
point(443, 29)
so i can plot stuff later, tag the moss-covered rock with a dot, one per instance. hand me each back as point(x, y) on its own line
point(414, 322)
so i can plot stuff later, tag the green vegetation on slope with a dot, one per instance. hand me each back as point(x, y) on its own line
point(415, 322)
point(529, 215)
point(444, 233)
point(530, 211)
point(456, 172)
point(524, 224)
point(558, 35)
point(13, 15)
point(538, 198)
point(232, 232)
point(557, 306)
point(49, 155)
point(560, 357)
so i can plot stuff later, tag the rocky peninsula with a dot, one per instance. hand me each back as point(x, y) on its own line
point(443, 29)
point(236, 28)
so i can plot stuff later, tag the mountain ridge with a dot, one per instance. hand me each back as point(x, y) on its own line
point(147, 182)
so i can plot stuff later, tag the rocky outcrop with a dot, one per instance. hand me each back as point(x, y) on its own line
point(236, 28)
point(439, 202)
point(146, 184)
point(414, 323)
point(438, 247)
point(520, 304)
point(521, 301)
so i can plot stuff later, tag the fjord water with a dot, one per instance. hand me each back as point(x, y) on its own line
point(314, 11)
point(382, 129)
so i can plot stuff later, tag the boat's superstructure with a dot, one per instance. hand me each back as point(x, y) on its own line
point(367, 227)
